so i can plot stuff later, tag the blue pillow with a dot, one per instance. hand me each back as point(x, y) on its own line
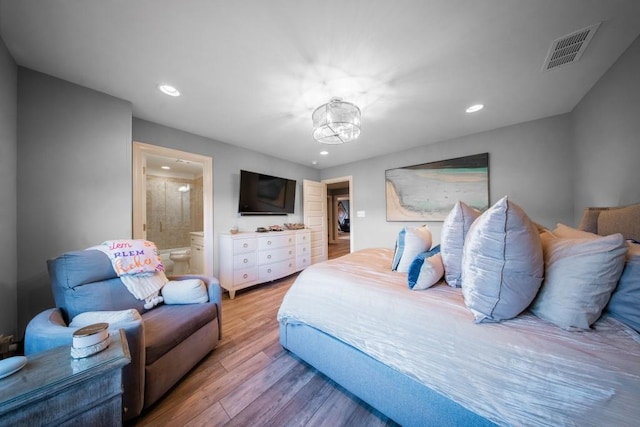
point(416, 270)
point(624, 304)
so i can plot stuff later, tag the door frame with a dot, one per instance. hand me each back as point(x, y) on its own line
point(140, 151)
point(348, 179)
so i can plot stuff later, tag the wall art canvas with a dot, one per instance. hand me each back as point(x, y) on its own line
point(428, 192)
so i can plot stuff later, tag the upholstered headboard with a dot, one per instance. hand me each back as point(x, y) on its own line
point(609, 220)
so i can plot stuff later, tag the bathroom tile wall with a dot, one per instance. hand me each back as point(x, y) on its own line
point(172, 213)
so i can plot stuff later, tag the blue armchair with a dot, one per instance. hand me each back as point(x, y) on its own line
point(165, 344)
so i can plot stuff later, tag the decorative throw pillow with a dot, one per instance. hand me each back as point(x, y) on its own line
point(502, 263)
point(425, 270)
point(454, 231)
point(580, 275)
point(110, 317)
point(625, 300)
point(188, 291)
point(411, 242)
point(562, 230)
point(624, 304)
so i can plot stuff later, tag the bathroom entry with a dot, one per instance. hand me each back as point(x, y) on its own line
point(173, 206)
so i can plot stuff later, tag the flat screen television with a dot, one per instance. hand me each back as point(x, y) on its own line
point(262, 194)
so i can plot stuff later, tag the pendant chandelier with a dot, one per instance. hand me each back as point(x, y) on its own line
point(336, 122)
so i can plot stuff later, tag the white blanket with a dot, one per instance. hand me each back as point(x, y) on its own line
point(521, 372)
point(139, 267)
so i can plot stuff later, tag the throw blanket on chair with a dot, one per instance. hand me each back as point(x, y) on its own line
point(139, 266)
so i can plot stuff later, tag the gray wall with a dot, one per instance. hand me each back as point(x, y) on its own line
point(8, 193)
point(529, 162)
point(553, 167)
point(74, 177)
point(607, 137)
point(227, 162)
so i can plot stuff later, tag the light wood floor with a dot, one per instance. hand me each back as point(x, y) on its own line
point(250, 380)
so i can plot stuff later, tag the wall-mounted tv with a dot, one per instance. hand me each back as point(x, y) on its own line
point(262, 194)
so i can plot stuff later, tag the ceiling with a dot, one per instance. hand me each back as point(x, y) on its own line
point(251, 71)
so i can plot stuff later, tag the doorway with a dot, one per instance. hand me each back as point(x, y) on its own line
point(173, 205)
point(339, 217)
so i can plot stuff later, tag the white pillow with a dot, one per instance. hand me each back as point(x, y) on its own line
point(454, 230)
point(430, 273)
point(502, 263)
point(110, 317)
point(580, 275)
point(410, 243)
point(188, 291)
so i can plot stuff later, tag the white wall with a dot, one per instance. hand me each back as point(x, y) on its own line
point(607, 137)
point(74, 177)
point(8, 193)
point(529, 162)
point(227, 162)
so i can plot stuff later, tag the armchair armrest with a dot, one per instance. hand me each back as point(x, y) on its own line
point(213, 289)
point(47, 330)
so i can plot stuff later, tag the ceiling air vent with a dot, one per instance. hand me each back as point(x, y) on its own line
point(568, 49)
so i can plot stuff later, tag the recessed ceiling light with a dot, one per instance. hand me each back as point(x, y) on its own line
point(165, 167)
point(314, 162)
point(474, 108)
point(324, 153)
point(169, 90)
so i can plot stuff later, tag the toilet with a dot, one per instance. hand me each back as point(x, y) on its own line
point(180, 261)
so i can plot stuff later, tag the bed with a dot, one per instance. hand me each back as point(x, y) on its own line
point(419, 357)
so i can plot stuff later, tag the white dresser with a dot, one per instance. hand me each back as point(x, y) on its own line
point(247, 259)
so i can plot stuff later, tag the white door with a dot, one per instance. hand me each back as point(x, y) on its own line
point(314, 200)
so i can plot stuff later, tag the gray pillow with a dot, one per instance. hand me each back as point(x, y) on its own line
point(580, 275)
point(454, 230)
point(502, 263)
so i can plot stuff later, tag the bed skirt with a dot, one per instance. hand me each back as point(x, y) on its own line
point(397, 396)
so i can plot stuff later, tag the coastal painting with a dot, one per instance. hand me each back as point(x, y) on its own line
point(428, 192)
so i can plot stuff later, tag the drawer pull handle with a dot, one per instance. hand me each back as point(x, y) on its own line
point(269, 270)
point(245, 275)
point(290, 265)
point(268, 256)
point(268, 242)
point(290, 252)
point(245, 260)
point(245, 245)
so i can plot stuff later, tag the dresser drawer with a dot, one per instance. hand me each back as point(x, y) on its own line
point(244, 245)
point(269, 242)
point(245, 275)
point(276, 270)
point(302, 250)
point(244, 260)
point(303, 261)
point(302, 238)
point(275, 255)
